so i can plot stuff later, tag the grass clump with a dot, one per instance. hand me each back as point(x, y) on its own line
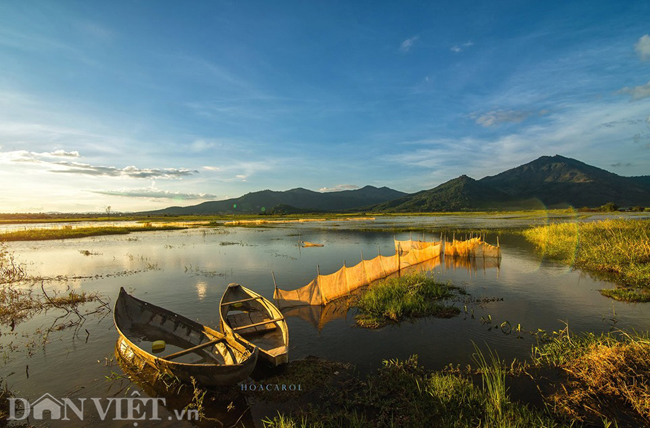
point(604, 377)
point(67, 232)
point(625, 295)
point(404, 394)
point(620, 248)
point(408, 296)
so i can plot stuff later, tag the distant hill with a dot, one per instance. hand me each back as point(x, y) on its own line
point(557, 180)
point(459, 194)
point(552, 181)
point(294, 200)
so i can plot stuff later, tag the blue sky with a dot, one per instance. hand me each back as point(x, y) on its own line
point(142, 104)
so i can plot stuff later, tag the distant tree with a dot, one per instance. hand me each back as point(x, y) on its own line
point(637, 209)
point(609, 207)
point(585, 209)
point(108, 211)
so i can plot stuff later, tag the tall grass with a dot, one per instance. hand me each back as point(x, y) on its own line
point(617, 247)
point(493, 376)
point(408, 296)
point(607, 375)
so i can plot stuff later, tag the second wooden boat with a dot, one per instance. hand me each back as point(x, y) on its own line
point(257, 320)
point(192, 350)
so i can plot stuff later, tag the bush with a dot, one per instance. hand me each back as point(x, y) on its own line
point(609, 207)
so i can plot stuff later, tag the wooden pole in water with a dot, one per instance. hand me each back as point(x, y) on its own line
point(498, 241)
point(274, 283)
point(378, 250)
point(399, 263)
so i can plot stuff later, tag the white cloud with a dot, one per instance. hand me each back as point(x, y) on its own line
point(573, 133)
point(642, 47)
point(497, 116)
point(154, 193)
point(637, 92)
point(201, 145)
point(339, 188)
point(408, 44)
point(129, 171)
point(459, 48)
point(52, 161)
point(242, 170)
point(35, 157)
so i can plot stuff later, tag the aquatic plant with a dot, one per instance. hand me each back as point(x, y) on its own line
point(408, 296)
point(619, 248)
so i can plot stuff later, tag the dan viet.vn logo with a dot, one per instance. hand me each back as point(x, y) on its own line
point(132, 408)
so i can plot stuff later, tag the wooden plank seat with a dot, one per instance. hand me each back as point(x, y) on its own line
point(241, 301)
point(192, 349)
point(250, 322)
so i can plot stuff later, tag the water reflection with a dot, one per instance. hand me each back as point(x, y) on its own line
point(320, 315)
point(187, 272)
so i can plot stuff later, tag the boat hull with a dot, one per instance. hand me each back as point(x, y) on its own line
point(274, 350)
point(225, 363)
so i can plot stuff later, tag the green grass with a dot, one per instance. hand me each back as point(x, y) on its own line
point(81, 232)
point(408, 296)
point(620, 248)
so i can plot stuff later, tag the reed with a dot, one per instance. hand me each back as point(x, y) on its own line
point(620, 248)
point(408, 296)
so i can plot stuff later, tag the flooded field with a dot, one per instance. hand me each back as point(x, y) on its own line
point(187, 272)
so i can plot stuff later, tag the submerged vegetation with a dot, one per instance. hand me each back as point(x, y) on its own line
point(620, 248)
point(408, 296)
point(68, 232)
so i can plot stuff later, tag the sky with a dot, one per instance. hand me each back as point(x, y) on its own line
point(141, 105)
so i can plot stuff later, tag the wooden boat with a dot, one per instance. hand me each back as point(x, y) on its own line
point(192, 350)
point(252, 317)
point(311, 244)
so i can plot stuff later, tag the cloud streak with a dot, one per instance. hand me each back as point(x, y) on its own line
point(129, 171)
point(642, 47)
point(338, 188)
point(637, 92)
point(407, 44)
point(154, 193)
point(498, 116)
point(460, 48)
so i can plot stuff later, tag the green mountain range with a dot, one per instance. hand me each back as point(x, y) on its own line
point(549, 181)
point(290, 201)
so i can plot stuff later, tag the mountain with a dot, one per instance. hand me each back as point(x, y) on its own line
point(459, 194)
point(298, 200)
point(551, 181)
point(643, 180)
point(557, 180)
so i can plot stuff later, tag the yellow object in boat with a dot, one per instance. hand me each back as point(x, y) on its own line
point(158, 345)
point(237, 305)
